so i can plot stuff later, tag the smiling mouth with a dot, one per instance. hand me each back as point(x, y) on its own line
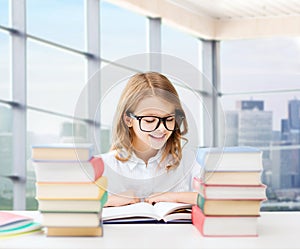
point(158, 136)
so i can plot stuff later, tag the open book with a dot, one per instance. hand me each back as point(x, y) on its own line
point(143, 211)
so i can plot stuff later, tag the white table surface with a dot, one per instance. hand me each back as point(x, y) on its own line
point(276, 230)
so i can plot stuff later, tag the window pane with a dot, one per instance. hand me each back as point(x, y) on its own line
point(4, 12)
point(55, 78)
point(179, 44)
point(59, 21)
point(45, 128)
point(123, 33)
point(6, 194)
point(6, 140)
point(42, 129)
point(261, 100)
point(260, 65)
point(6, 185)
point(4, 67)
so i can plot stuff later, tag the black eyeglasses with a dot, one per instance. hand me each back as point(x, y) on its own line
point(151, 123)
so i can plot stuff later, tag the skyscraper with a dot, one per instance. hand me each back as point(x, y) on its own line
point(294, 114)
point(232, 123)
point(250, 105)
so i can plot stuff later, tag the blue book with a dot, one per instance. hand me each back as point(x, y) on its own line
point(239, 158)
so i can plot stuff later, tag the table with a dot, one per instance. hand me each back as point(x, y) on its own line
point(276, 230)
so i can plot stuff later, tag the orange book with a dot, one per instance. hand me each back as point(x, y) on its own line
point(224, 226)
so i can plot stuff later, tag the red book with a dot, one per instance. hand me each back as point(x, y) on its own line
point(224, 226)
point(69, 171)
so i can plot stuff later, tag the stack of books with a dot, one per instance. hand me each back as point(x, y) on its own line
point(70, 189)
point(230, 191)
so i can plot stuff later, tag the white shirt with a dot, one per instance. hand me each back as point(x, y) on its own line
point(134, 175)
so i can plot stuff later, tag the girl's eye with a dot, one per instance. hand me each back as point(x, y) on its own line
point(170, 119)
point(149, 119)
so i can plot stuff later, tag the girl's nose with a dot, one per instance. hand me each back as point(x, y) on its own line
point(161, 127)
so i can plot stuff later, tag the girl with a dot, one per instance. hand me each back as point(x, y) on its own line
point(146, 162)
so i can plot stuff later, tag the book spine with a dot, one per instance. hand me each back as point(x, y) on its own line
point(98, 166)
point(196, 184)
point(104, 199)
point(200, 202)
point(198, 219)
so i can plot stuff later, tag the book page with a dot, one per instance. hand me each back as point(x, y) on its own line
point(141, 209)
point(165, 208)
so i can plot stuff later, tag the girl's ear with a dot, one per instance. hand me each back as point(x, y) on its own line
point(127, 120)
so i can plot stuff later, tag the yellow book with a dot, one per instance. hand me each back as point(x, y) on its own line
point(62, 152)
point(75, 231)
point(71, 191)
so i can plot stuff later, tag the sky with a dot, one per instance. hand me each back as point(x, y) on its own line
point(246, 65)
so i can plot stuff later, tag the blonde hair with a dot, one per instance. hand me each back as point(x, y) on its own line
point(139, 86)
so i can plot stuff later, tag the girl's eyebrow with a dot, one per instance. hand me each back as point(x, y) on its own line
point(157, 115)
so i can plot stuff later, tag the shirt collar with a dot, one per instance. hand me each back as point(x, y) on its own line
point(134, 161)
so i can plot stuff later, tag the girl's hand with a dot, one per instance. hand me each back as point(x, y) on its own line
point(165, 197)
point(183, 197)
point(121, 199)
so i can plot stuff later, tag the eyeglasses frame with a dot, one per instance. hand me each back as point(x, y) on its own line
point(163, 120)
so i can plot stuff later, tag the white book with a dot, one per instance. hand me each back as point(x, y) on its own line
point(64, 171)
point(71, 219)
point(143, 211)
point(239, 158)
point(70, 205)
point(233, 192)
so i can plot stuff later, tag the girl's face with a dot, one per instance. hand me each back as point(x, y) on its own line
point(154, 140)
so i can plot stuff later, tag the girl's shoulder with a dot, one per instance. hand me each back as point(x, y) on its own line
point(110, 155)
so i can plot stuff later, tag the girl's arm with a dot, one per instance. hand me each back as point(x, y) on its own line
point(121, 199)
point(183, 197)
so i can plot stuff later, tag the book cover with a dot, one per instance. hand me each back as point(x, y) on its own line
point(229, 207)
point(71, 171)
point(230, 177)
point(62, 152)
point(10, 220)
point(239, 158)
point(224, 226)
point(71, 219)
point(12, 224)
point(75, 231)
point(142, 211)
point(72, 205)
point(72, 191)
point(21, 229)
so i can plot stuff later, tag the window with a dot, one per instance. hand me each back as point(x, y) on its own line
point(123, 32)
point(6, 155)
point(5, 90)
point(57, 21)
point(179, 44)
point(261, 100)
point(55, 78)
point(4, 12)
